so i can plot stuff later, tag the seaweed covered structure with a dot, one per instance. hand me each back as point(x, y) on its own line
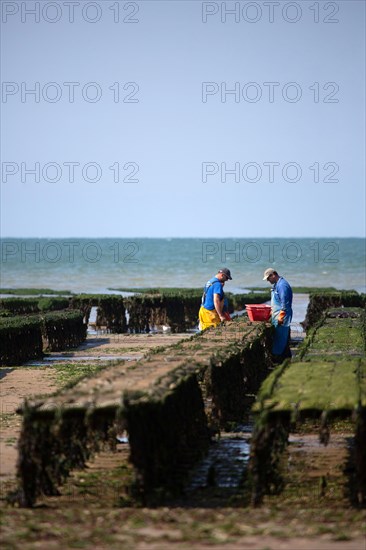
point(26, 337)
point(326, 382)
point(167, 402)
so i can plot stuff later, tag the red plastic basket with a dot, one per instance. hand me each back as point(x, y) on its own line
point(258, 312)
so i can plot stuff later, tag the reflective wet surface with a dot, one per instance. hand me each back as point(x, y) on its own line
point(81, 358)
point(226, 462)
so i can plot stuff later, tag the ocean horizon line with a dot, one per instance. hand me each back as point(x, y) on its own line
point(193, 238)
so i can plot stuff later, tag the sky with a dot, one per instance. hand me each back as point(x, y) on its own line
point(183, 119)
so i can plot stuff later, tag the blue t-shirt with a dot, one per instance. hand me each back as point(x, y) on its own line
point(213, 286)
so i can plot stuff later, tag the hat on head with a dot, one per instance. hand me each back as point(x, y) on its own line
point(226, 272)
point(268, 272)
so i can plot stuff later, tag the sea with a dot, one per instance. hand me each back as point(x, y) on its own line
point(104, 265)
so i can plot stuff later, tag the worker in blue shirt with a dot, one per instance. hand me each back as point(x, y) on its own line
point(213, 308)
point(281, 303)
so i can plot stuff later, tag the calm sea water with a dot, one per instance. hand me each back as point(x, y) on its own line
point(98, 265)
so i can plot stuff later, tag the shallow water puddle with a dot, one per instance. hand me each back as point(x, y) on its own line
point(225, 463)
point(81, 358)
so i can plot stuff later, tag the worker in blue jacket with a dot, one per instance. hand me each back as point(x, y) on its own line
point(281, 303)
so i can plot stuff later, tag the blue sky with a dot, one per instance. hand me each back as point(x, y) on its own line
point(146, 95)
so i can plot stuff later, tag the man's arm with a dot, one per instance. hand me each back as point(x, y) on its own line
point(284, 294)
point(219, 306)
